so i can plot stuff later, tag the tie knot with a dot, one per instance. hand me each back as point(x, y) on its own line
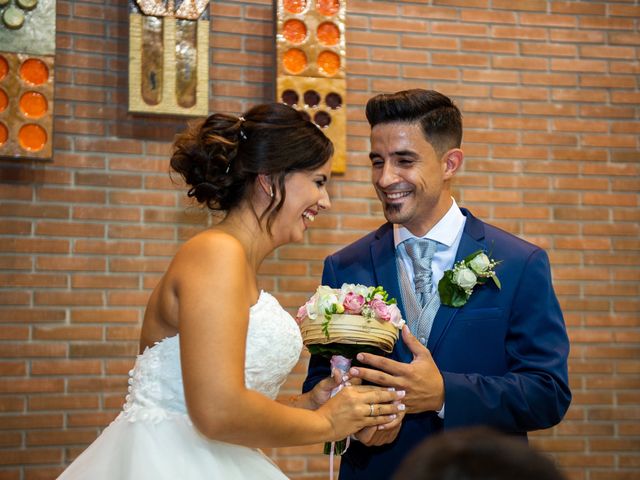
point(421, 250)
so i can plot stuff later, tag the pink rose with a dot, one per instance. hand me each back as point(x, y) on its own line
point(395, 316)
point(380, 309)
point(353, 303)
point(302, 314)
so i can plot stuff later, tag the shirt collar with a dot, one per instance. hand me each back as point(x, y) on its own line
point(445, 231)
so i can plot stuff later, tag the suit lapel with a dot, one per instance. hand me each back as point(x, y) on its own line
point(470, 242)
point(383, 258)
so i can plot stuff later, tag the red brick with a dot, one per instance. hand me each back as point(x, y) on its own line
point(551, 79)
point(123, 333)
point(99, 350)
point(33, 280)
point(91, 419)
point(15, 227)
point(31, 245)
point(67, 333)
point(60, 229)
point(97, 384)
point(63, 402)
point(68, 298)
point(31, 421)
point(126, 214)
point(30, 457)
point(107, 247)
point(70, 437)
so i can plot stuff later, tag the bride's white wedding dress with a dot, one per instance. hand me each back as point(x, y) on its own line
point(153, 437)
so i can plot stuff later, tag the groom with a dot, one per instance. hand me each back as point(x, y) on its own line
point(498, 360)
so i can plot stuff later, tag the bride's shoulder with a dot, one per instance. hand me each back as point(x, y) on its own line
point(211, 248)
point(214, 241)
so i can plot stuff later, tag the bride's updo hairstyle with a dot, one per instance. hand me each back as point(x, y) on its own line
point(221, 157)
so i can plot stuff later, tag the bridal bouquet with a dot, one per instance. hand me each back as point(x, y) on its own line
point(340, 323)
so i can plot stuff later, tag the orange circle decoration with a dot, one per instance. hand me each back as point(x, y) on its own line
point(328, 7)
point(4, 133)
point(34, 71)
point(294, 61)
point(328, 34)
point(4, 100)
point(295, 6)
point(294, 31)
point(33, 104)
point(4, 67)
point(328, 63)
point(32, 137)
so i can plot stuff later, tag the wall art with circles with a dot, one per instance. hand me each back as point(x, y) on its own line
point(27, 52)
point(311, 65)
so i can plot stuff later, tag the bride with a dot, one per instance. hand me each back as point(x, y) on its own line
point(215, 349)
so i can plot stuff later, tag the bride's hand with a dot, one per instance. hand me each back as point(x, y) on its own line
point(358, 407)
point(321, 393)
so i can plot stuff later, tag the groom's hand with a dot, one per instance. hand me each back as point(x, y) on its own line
point(421, 378)
point(376, 436)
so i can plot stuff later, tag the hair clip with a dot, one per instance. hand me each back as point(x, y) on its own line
point(242, 134)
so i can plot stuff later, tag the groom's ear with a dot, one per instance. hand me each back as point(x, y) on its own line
point(452, 162)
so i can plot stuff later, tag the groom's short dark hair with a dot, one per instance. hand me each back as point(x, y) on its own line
point(440, 119)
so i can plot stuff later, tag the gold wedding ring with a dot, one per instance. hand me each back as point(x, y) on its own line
point(371, 409)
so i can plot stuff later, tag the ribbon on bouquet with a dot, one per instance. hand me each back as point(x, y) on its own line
point(342, 364)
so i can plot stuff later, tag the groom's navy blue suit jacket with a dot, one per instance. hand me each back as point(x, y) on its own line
point(503, 355)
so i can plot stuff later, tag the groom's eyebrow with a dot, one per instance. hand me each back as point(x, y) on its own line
point(405, 153)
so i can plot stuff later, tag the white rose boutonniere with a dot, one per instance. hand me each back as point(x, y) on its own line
point(457, 285)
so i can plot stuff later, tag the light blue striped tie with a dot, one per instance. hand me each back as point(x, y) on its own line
point(420, 251)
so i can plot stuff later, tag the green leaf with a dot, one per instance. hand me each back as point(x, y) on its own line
point(459, 297)
point(325, 325)
point(494, 277)
point(451, 294)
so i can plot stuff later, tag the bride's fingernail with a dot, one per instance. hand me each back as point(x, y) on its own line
point(347, 384)
point(393, 415)
point(401, 393)
point(354, 371)
point(345, 378)
point(391, 389)
point(380, 427)
point(360, 357)
point(402, 407)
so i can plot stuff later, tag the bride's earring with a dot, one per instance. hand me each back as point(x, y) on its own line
point(270, 191)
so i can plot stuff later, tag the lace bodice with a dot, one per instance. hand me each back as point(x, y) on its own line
point(273, 348)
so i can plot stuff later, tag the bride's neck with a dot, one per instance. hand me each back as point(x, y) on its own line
point(243, 224)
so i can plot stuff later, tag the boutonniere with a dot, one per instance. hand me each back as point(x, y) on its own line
point(457, 285)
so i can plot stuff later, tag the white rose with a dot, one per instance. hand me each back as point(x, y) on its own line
point(323, 290)
point(465, 278)
point(362, 290)
point(480, 263)
point(326, 302)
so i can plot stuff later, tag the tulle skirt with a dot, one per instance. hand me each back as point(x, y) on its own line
point(169, 449)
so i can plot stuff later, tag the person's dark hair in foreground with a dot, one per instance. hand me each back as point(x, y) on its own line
point(476, 453)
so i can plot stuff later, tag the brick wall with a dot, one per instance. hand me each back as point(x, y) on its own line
point(550, 96)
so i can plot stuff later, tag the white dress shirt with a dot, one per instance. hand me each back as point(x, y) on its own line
point(447, 232)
